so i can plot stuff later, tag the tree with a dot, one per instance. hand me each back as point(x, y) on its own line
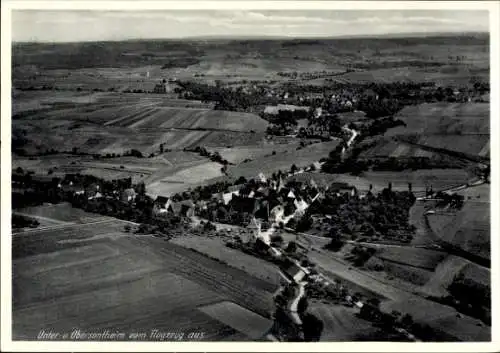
point(135, 153)
point(407, 321)
point(302, 305)
point(304, 224)
point(276, 239)
point(374, 301)
point(396, 315)
point(312, 327)
point(294, 168)
point(291, 247)
point(141, 188)
point(336, 241)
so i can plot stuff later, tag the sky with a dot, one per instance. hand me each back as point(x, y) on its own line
point(83, 25)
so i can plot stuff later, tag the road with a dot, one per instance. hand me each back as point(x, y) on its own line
point(300, 293)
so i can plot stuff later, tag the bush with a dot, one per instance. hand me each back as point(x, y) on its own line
point(276, 239)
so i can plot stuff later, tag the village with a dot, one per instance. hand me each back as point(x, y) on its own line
point(285, 190)
point(264, 208)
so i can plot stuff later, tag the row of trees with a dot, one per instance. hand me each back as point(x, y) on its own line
point(213, 156)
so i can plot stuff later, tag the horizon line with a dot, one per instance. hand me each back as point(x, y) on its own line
point(270, 37)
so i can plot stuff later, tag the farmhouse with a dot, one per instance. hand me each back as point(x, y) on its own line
point(161, 204)
point(74, 189)
point(183, 208)
point(244, 204)
point(296, 273)
point(342, 188)
point(227, 197)
point(128, 195)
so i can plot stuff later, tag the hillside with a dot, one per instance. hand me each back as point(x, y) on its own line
point(468, 229)
point(458, 127)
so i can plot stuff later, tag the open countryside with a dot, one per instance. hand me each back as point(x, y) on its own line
point(333, 189)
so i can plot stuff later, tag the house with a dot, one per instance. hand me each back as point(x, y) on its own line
point(244, 204)
point(71, 188)
point(342, 188)
point(296, 273)
point(277, 214)
point(182, 208)
point(128, 195)
point(227, 197)
point(301, 206)
point(318, 112)
point(201, 205)
point(161, 204)
point(236, 187)
point(255, 226)
point(92, 190)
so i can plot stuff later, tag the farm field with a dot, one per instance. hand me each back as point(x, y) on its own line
point(444, 75)
point(443, 276)
point(450, 268)
point(415, 257)
point(438, 178)
point(192, 118)
point(90, 272)
point(239, 318)
point(128, 110)
point(445, 119)
point(104, 278)
point(480, 193)
point(468, 229)
point(214, 247)
point(350, 117)
point(339, 322)
point(356, 280)
point(386, 148)
point(477, 144)
point(283, 161)
point(396, 273)
point(459, 127)
point(239, 154)
point(441, 318)
point(61, 213)
point(396, 297)
point(423, 234)
point(40, 136)
point(42, 222)
point(26, 101)
point(172, 181)
point(114, 123)
point(139, 169)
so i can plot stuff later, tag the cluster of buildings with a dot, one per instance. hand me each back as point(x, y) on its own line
point(76, 185)
point(165, 205)
point(161, 87)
